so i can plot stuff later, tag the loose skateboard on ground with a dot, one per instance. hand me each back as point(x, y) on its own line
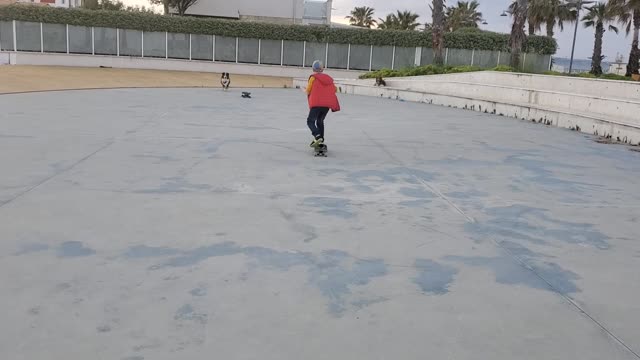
point(320, 150)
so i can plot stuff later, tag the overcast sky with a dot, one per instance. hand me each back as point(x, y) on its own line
point(491, 10)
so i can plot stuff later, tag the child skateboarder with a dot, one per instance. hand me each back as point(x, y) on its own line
point(321, 93)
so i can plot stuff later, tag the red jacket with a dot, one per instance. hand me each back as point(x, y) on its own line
point(323, 92)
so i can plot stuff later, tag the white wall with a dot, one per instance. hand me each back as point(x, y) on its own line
point(56, 3)
point(583, 86)
point(289, 9)
point(535, 92)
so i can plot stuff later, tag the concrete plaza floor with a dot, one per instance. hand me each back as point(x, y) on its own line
point(194, 224)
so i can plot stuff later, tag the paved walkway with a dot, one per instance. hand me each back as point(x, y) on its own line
point(192, 224)
point(14, 79)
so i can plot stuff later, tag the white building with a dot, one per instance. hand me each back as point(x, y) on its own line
point(619, 67)
point(274, 11)
point(54, 3)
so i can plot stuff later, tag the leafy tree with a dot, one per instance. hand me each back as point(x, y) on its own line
point(113, 5)
point(166, 5)
point(180, 6)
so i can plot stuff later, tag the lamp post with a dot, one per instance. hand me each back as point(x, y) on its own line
point(578, 6)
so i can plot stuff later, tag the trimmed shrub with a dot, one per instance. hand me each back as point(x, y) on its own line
point(504, 68)
point(420, 71)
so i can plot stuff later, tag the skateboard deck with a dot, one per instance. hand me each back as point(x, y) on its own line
point(321, 150)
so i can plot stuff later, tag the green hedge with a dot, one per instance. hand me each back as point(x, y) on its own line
point(175, 24)
point(420, 71)
point(591, 76)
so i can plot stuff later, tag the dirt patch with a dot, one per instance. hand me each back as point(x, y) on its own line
point(16, 79)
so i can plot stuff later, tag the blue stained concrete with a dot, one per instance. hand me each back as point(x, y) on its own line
point(330, 206)
point(188, 313)
point(32, 248)
point(198, 292)
point(191, 223)
point(531, 224)
point(545, 275)
point(433, 277)
point(143, 251)
point(333, 272)
point(175, 185)
point(72, 249)
point(416, 192)
point(415, 203)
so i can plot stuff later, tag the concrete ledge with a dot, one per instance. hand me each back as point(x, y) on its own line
point(585, 122)
point(623, 109)
point(612, 89)
point(127, 62)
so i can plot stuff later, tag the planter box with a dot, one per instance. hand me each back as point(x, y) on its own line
point(635, 77)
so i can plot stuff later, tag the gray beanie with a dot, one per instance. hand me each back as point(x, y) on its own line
point(317, 66)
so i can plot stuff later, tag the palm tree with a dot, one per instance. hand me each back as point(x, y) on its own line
point(631, 18)
point(550, 13)
point(535, 15)
point(388, 23)
point(408, 20)
point(519, 12)
point(362, 17)
point(437, 11)
point(464, 14)
point(533, 22)
point(401, 20)
point(599, 15)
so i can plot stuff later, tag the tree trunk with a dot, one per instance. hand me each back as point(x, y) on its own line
point(634, 56)
point(165, 4)
point(596, 60)
point(438, 32)
point(517, 33)
point(551, 24)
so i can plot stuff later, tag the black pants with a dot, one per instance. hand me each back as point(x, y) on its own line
point(315, 121)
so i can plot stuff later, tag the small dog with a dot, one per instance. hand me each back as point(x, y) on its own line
point(225, 81)
point(380, 81)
